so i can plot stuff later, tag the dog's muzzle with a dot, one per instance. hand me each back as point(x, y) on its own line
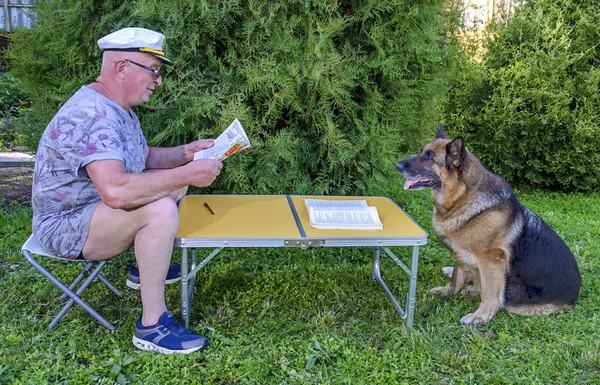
point(414, 181)
point(402, 166)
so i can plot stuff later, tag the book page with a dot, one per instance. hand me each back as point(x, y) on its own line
point(358, 218)
point(232, 140)
point(322, 203)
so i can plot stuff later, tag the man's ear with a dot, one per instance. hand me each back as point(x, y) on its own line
point(441, 134)
point(456, 153)
point(120, 68)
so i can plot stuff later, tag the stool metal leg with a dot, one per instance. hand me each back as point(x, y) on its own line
point(75, 297)
point(86, 269)
point(109, 285)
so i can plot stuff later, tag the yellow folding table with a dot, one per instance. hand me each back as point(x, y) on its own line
point(220, 221)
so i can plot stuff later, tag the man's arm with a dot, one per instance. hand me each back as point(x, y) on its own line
point(121, 190)
point(169, 157)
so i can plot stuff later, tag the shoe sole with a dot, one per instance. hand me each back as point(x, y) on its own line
point(149, 346)
point(136, 286)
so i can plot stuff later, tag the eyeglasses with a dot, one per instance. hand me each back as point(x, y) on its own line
point(155, 71)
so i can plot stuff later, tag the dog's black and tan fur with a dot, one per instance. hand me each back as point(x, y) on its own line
point(514, 259)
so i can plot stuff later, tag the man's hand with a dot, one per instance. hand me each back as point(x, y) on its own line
point(198, 145)
point(170, 157)
point(202, 172)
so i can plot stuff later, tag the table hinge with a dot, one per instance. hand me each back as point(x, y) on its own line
point(303, 244)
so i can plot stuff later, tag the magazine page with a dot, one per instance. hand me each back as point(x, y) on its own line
point(232, 140)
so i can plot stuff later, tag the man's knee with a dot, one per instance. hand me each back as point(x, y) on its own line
point(178, 194)
point(163, 212)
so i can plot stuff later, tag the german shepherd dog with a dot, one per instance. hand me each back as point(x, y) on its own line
point(513, 258)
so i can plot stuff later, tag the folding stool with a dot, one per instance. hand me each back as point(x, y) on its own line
point(32, 246)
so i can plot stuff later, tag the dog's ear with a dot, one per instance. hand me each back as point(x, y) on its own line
point(456, 153)
point(441, 134)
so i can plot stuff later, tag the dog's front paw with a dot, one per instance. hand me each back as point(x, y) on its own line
point(442, 290)
point(473, 319)
point(473, 290)
point(447, 271)
point(480, 317)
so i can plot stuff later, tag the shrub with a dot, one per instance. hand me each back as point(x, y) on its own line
point(12, 103)
point(330, 92)
point(531, 109)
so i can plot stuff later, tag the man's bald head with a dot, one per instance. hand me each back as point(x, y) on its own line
point(110, 59)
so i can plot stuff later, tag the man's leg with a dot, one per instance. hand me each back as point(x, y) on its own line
point(174, 271)
point(151, 229)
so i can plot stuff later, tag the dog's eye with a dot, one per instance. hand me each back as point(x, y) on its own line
point(427, 155)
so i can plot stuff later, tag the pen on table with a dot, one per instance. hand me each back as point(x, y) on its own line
point(209, 209)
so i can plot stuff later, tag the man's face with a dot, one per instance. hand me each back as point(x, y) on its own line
point(142, 81)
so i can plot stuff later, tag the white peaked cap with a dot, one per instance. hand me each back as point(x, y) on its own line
point(135, 40)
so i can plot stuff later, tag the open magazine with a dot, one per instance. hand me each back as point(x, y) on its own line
point(342, 215)
point(232, 140)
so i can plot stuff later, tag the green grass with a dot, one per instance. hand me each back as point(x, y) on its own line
point(287, 316)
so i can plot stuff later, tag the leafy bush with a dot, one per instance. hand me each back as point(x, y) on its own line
point(12, 102)
point(330, 92)
point(531, 109)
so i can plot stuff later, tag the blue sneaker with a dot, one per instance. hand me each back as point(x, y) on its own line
point(167, 337)
point(133, 280)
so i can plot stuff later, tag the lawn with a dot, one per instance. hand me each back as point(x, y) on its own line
point(291, 316)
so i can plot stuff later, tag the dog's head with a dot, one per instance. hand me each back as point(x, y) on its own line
point(434, 163)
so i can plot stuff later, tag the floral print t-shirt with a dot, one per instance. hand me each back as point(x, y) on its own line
point(88, 127)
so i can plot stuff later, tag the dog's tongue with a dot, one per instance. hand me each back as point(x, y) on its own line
point(409, 182)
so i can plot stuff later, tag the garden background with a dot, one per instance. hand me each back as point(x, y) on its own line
point(331, 94)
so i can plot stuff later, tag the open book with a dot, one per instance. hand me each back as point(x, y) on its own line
point(342, 215)
point(232, 140)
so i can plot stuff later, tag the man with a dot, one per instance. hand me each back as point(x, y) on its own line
point(93, 196)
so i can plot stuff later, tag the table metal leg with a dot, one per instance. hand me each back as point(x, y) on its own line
point(408, 315)
point(185, 314)
point(188, 280)
point(192, 279)
point(412, 287)
point(377, 277)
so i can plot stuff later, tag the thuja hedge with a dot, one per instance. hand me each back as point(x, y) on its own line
point(330, 92)
point(531, 108)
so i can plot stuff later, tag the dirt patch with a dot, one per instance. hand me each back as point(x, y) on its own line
point(15, 183)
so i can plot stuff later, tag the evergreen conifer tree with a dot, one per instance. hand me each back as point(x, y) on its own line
point(331, 93)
